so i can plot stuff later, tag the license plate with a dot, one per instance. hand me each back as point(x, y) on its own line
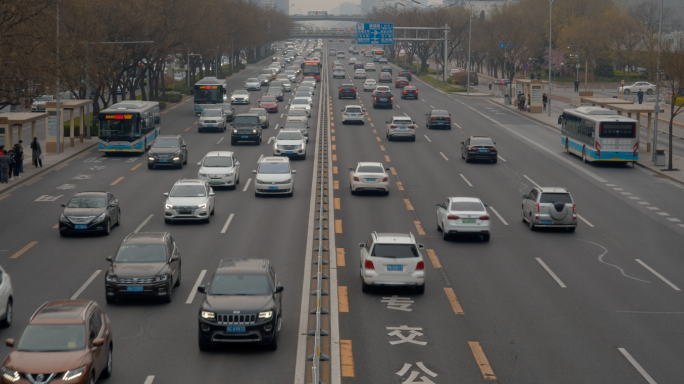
point(235, 329)
point(395, 267)
point(163, 160)
point(547, 222)
point(402, 127)
point(81, 226)
point(441, 123)
point(210, 125)
point(353, 115)
point(185, 211)
point(383, 99)
point(289, 152)
point(134, 289)
point(371, 179)
point(482, 150)
point(468, 221)
point(215, 182)
point(272, 188)
point(244, 137)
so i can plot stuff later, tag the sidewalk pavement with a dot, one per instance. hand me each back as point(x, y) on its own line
point(676, 175)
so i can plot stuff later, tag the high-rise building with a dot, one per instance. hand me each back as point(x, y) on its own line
point(347, 8)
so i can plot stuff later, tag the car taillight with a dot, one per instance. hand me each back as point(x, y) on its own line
point(385, 179)
point(411, 126)
point(404, 91)
point(420, 266)
point(375, 98)
point(391, 98)
point(393, 126)
point(447, 119)
point(472, 149)
point(492, 149)
point(574, 208)
point(485, 217)
point(536, 208)
point(356, 178)
point(453, 217)
point(369, 265)
point(433, 118)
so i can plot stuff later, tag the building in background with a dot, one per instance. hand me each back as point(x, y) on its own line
point(278, 5)
point(481, 8)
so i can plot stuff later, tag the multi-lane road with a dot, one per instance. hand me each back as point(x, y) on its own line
point(600, 305)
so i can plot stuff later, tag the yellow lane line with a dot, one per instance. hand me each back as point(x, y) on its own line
point(382, 148)
point(332, 125)
point(347, 358)
point(342, 299)
point(332, 131)
point(62, 166)
point(434, 259)
point(409, 206)
point(3, 197)
point(332, 138)
point(341, 262)
point(400, 186)
point(136, 166)
point(117, 180)
point(482, 361)
point(387, 159)
point(338, 226)
point(195, 123)
point(334, 157)
point(373, 125)
point(334, 147)
point(377, 139)
point(369, 119)
point(23, 250)
point(419, 228)
point(332, 118)
point(37, 179)
point(335, 170)
point(393, 171)
point(188, 128)
point(83, 155)
point(337, 203)
point(336, 184)
point(55, 226)
point(453, 300)
point(374, 131)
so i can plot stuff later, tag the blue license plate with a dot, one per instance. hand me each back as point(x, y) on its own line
point(402, 127)
point(289, 152)
point(245, 137)
point(163, 160)
point(383, 99)
point(395, 267)
point(210, 125)
point(235, 329)
point(547, 222)
point(483, 150)
point(371, 179)
point(81, 226)
point(134, 289)
point(441, 123)
point(272, 188)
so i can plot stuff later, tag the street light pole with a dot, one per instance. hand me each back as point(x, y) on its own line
point(550, 54)
point(470, 38)
point(657, 100)
point(578, 60)
point(60, 125)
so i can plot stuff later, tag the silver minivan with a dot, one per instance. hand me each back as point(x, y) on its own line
point(549, 207)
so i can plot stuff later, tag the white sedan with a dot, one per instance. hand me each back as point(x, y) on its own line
point(644, 86)
point(458, 215)
point(301, 103)
point(368, 176)
point(369, 85)
point(360, 74)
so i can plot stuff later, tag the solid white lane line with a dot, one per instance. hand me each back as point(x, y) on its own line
point(194, 287)
point(445, 158)
point(428, 139)
point(531, 181)
point(497, 215)
point(458, 126)
point(281, 115)
point(661, 277)
point(432, 106)
point(219, 142)
point(149, 379)
point(269, 140)
point(551, 273)
point(466, 180)
point(585, 221)
point(143, 223)
point(277, 125)
point(225, 227)
point(85, 285)
point(636, 365)
point(246, 185)
point(502, 159)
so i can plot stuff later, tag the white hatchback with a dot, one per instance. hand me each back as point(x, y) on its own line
point(458, 215)
point(353, 114)
point(220, 169)
point(392, 259)
point(274, 176)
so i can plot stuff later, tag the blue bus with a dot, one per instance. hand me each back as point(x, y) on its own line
point(129, 126)
point(208, 92)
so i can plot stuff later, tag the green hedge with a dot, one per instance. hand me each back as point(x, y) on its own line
point(440, 85)
point(173, 97)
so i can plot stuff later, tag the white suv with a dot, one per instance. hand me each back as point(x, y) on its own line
point(290, 142)
point(392, 259)
point(189, 199)
point(353, 114)
point(401, 127)
point(274, 176)
point(220, 169)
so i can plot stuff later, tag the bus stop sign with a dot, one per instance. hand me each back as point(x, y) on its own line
point(375, 33)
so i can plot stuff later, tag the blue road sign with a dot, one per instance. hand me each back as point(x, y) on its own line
point(375, 33)
point(525, 66)
point(506, 45)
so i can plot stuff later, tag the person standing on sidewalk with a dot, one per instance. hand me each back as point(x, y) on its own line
point(36, 153)
point(18, 160)
point(640, 96)
point(12, 164)
point(21, 147)
point(576, 85)
point(4, 165)
point(545, 99)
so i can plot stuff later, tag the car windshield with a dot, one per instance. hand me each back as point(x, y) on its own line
point(252, 80)
point(218, 161)
point(246, 120)
point(52, 338)
point(402, 122)
point(439, 113)
point(300, 101)
point(370, 169)
point(370, 81)
point(396, 251)
point(305, 89)
point(481, 142)
point(353, 110)
point(297, 112)
point(188, 191)
point(211, 113)
point(263, 77)
point(87, 202)
point(166, 143)
point(273, 92)
point(240, 92)
point(295, 124)
point(293, 135)
point(467, 206)
point(141, 253)
point(274, 168)
point(383, 88)
point(269, 99)
point(241, 284)
point(554, 198)
point(290, 72)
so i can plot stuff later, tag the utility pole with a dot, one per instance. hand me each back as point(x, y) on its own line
point(656, 107)
point(446, 43)
point(470, 38)
point(550, 54)
point(60, 125)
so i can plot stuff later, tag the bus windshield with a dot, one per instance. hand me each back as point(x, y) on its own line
point(311, 69)
point(617, 130)
point(207, 96)
point(119, 130)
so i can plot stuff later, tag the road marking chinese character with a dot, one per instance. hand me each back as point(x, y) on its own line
point(82, 177)
point(398, 303)
point(93, 160)
point(67, 186)
point(413, 332)
point(98, 167)
point(414, 374)
point(48, 198)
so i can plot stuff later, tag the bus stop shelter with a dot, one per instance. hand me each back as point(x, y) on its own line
point(535, 89)
point(603, 101)
point(639, 110)
point(72, 106)
point(8, 120)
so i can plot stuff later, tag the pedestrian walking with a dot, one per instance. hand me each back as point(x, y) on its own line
point(545, 99)
point(640, 96)
point(21, 146)
point(36, 153)
point(4, 165)
point(18, 160)
point(576, 85)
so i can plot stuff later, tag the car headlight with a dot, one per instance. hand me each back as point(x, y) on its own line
point(202, 206)
point(287, 181)
point(208, 315)
point(160, 278)
point(10, 374)
point(169, 206)
point(265, 314)
point(63, 218)
point(257, 181)
point(202, 174)
point(111, 278)
point(254, 131)
point(235, 131)
point(151, 158)
point(100, 218)
point(73, 374)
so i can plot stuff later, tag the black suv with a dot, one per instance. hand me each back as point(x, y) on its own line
point(383, 100)
point(348, 90)
point(243, 304)
point(246, 127)
point(405, 73)
point(438, 118)
point(147, 264)
point(358, 66)
point(168, 150)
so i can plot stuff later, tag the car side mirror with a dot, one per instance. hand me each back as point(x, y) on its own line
point(524, 196)
point(387, 169)
point(364, 110)
point(109, 258)
point(361, 245)
point(112, 205)
point(560, 119)
point(9, 342)
point(294, 171)
point(63, 205)
point(175, 257)
point(98, 342)
point(279, 289)
point(184, 146)
point(438, 205)
point(387, 122)
point(166, 194)
point(237, 163)
point(200, 163)
point(211, 194)
point(421, 246)
point(426, 114)
point(254, 171)
point(201, 289)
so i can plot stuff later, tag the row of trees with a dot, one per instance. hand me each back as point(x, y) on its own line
point(90, 33)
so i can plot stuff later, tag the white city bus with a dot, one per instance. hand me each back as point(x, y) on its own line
point(599, 134)
point(129, 126)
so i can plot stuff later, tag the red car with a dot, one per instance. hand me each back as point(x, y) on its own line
point(341, 39)
point(363, 51)
point(269, 103)
point(401, 82)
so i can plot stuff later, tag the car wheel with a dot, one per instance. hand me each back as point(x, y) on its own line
point(180, 165)
point(167, 221)
point(150, 166)
point(256, 194)
point(108, 228)
point(212, 210)
point(649, 92)
point(303, 157)
point(9, 314)
point(627, 91)
point(572, 229)
point(118, 218)
point(92, 378)
point(522, 216)
point(107, 371)
point(532, 228)
point(233, 141)
point(110, 299)
point(494, 161)
point(439, 227)
point(467, 160)
point(420, 289)
point(273, 345)
point(365, 288)
point(208, 219)
point(445, 235)
point(485, 237)
point(185, 160)
point(584, 156)
point(178, 280)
